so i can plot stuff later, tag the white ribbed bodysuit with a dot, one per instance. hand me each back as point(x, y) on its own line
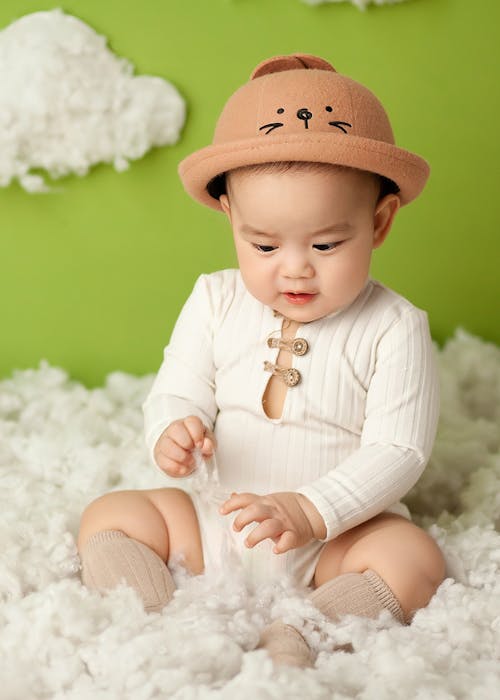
point(355, 434)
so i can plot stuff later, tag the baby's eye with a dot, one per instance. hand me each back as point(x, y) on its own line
point(264, 248)
point(327, 246)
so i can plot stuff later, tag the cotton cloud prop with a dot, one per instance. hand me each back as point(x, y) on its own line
point(62, 445)
point(361, 4)
point(67, 102)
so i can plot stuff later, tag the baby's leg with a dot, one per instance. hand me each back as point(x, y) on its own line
point(384, 563)
point(406, 559)
point(132, 535)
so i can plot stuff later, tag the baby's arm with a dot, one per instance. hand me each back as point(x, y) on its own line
point(401, 417)
point(185, 384)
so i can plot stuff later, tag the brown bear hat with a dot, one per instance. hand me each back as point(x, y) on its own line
point(298, 107)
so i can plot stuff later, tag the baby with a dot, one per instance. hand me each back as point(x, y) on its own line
point(314, 384)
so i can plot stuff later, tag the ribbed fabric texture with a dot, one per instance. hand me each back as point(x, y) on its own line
point(110, 557)
point(355, 433)
point(365, 594)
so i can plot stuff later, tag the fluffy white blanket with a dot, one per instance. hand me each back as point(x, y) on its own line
point(61, 445)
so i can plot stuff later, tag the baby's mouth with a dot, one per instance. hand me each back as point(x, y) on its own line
point(299, 297)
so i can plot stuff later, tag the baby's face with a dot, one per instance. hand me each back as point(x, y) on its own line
point(284, 261)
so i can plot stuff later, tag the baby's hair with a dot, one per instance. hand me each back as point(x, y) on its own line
point(217, 185)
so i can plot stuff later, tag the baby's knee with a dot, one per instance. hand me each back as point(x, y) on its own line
point(181, 519)
point(130, 511)
point(406, 557)
point(433, 562)
point(414, 568)
point(109, 506)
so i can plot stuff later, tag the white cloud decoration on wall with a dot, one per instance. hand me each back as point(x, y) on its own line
point(361, 4)
point(67, 102)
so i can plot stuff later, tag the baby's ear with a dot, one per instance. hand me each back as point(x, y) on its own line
point(384, 216)
point(224, 202)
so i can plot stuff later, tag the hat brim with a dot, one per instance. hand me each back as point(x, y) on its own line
point(409, 171)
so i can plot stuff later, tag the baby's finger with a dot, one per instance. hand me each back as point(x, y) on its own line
point(237, 501)
point(208, 447)
point(196, 430)
point(211, 437)
point(175, 452)
point(179, 433)
point(256, 512)
point(287, 541)
point(270, 528)
point(171, 467)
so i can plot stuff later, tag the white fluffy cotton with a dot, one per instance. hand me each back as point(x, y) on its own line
point(68, 102)
point(62, 445)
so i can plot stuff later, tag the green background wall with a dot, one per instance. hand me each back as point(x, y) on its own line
point(93, 277)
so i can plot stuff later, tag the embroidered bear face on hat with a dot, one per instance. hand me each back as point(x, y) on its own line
point(299, 108)
point(303, 113)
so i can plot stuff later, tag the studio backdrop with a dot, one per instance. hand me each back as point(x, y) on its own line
point(99, 243)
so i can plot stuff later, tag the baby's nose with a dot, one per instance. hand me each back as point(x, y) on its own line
point(305, 115)
point(297, 266)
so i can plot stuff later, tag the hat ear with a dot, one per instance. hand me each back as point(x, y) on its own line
point(276, 64)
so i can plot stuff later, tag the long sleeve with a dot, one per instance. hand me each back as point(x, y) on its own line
point(401, 416)
point(185, 383)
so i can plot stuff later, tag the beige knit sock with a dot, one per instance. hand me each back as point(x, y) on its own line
point(285, 645)
point(365, 595)
point(110, 556)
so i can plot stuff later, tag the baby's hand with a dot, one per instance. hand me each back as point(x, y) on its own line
point(173, 450)
point(289, 519)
